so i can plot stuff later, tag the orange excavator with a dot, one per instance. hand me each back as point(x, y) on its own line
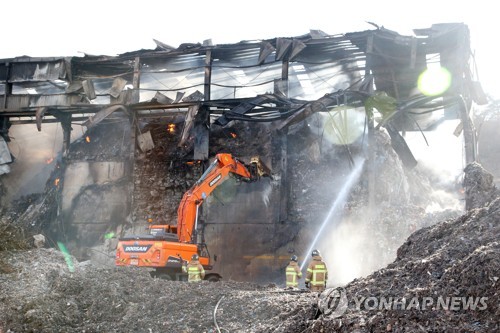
point(167, 246)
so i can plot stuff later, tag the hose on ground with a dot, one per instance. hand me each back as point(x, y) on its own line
point(215, 314)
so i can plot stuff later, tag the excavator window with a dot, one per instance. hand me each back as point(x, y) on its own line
point(203, 250)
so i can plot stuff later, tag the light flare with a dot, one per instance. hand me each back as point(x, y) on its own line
point(434, 81)
point(109, 235)
point(67, 256)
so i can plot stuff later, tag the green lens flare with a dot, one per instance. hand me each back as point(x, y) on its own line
point(67, 256)
point(434, 81)
point(109, 235)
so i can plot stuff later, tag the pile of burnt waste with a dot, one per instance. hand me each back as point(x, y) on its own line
point(445, 277)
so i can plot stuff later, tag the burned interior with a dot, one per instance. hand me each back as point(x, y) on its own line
point(309, 106)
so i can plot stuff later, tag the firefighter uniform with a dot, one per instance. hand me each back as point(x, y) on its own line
point(194, 270)
point(317, 273)
point(293, 273)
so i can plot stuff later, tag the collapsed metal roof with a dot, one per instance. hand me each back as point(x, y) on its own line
point(280, 79)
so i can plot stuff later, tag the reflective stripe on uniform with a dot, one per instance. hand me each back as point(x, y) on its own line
point(316, 271)
point(308, 271)
point(194, 274)
point(291, 277)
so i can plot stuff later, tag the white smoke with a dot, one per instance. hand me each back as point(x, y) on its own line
point(35, 155)
point(355, 246)
point(266, 194)
point(442, 160)
point(349, 254)
point(352, 250)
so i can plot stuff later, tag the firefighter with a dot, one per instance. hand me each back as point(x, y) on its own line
point(293, 273)
point(317, 273)
point(194, 269)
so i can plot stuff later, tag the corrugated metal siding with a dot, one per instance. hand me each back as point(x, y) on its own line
point(24, 101)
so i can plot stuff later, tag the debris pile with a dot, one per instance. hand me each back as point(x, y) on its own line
point(479, 186)
point(41, 294)
point(46, 290)
point(441, 274)
point(445, 278)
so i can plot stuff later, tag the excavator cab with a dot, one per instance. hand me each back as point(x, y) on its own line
point(160, 229)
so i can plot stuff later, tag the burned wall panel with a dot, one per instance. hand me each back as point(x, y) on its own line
point(94, 196)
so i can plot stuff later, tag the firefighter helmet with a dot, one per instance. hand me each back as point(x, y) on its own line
point(194, 257)
point(315, 253)
point(294, 258)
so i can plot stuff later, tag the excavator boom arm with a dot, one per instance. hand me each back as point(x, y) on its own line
point(223, 166)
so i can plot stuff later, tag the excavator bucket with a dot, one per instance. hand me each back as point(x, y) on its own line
point(261, 170)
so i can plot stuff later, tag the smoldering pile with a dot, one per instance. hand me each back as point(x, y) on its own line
point(445, 278)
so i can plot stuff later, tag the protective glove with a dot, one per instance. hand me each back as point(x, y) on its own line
point(307, 285)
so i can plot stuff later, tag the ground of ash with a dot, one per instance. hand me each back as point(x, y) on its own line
point(44, 290)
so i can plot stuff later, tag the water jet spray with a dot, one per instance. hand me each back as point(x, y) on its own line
point(341, 197)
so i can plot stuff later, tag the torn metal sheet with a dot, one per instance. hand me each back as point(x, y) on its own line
point(88, 88)
point(5, 157)
point(101, 115)
point(162, 46)
point(36, 71)
point(282, 47)
point(321, 64)
point(162, 99)
point(297, 47)
point(194, 97)
point(123, 98)
point(117, 87)
point(201, 134)
point(40, 112)
point(178, 97)
point(188, 124)
point(74, 87)
point(145, 141)
point(266, 49)
point(34, 101)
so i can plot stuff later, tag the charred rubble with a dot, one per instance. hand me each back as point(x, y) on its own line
point(447, 254)
point(162, 174)
point(455, 260)
point(457, 257)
